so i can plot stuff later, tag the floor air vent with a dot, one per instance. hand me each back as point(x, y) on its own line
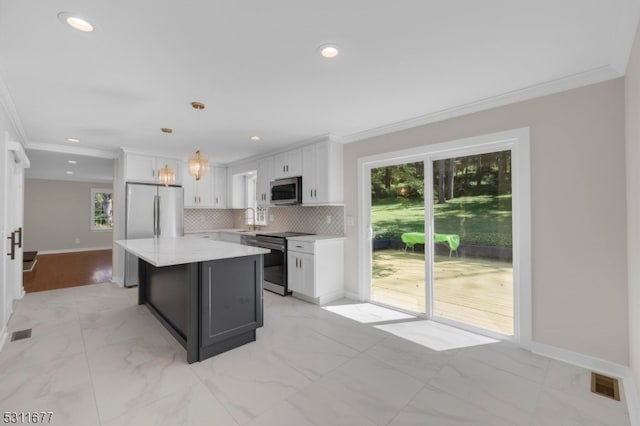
point(605, 386)
point(22, 334)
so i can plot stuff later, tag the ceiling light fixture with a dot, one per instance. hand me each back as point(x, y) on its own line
point(76, 22)
point(329, 51)
point(166, 175)
point(72, 162)
point(69, 172)
point(255, 138)
point(74, 140)
point(198, 163)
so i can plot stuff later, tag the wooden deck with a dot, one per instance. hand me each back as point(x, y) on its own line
point(473, 291)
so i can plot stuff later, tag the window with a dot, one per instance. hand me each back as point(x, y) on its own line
point(101, 209)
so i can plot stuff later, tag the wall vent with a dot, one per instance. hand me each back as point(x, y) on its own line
point(605, 386)
point(22, 334)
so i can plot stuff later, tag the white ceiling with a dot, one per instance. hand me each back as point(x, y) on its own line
point(55, 165)
point(255, 65)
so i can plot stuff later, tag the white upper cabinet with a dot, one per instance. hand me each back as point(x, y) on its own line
point(210, 192)
point(219, 195)
point(288, 164)
point(322, 173)
point(263, 185)
point(144, 168)
point(197, 193)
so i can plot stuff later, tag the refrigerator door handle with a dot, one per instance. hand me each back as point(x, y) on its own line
point(155, 215)
point(158, 219)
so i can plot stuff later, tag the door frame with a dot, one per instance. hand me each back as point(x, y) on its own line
point(516, 140)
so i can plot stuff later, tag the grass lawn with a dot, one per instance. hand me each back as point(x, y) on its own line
point(482, 219)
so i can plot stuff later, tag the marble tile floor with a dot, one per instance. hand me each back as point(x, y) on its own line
point(95, 358)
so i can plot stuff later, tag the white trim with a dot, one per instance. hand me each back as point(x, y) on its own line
point(3, 337)
point(99, 181)
point(516, 140)
point(19, 154)
point(65, 149)
point(7, 103)
point(117, 280)
point(352, 296)
point(74, 250)
point(299, 144)
point(598, 365)
point(573, 81)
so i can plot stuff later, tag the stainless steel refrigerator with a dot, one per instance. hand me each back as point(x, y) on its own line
point(152, 211)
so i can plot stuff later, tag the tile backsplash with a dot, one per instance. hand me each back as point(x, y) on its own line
point(197, 219)
point(292, 218)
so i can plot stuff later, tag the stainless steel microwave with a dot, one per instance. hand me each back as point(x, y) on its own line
point(286, 191)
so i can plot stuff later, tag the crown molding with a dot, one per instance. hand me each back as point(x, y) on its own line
point(573, 81)
point(74, 178)
point(624, 37)
point(7, 103)
point(331, 137)
point(89, 152)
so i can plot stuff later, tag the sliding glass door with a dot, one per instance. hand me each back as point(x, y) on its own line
point(472, 240)
point(441, 237)
point(397, 212)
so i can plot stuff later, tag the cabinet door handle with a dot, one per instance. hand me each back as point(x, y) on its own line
point(12, 254)
point(315, 193)
point(216, 200)
point(311, 193)
point(19, 232)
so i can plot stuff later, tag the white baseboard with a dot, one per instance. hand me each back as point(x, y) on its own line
point(117, 280)
point(601, 366)
point(74, 250)
point(352, 296)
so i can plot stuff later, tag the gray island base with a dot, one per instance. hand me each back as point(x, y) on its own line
point(209, 306)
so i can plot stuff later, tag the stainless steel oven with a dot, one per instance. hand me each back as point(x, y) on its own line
point(275, 262)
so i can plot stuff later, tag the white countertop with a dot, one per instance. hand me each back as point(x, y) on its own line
point(315, 238)
point(238, 231)
point(181, 250)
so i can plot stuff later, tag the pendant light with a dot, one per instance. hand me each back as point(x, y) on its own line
point(198, 163)
point(166, 175)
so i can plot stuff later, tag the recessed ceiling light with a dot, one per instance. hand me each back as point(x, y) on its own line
point(72, 162)
point(328, 51)
point(255, 138)
point(69, 172)
point(74, 140)
point(76, 22)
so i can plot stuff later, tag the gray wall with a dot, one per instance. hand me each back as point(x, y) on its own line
point(579, 259)
point(58, 212)
point(632, 110)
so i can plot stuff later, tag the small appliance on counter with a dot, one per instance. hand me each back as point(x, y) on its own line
point(275, 262)
point(152, 211)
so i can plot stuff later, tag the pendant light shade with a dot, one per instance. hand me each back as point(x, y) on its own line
point(166, 175)
point(198, 163)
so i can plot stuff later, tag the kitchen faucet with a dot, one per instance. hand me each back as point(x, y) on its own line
point(253, 225)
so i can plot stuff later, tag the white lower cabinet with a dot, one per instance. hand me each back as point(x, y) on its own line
point(315, 269)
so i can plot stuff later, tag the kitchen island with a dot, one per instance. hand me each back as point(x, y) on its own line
point(206, 293)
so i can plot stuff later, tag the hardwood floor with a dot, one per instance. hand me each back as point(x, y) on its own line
point(54, 271)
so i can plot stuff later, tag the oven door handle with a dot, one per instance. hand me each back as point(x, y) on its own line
point(271, 246)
